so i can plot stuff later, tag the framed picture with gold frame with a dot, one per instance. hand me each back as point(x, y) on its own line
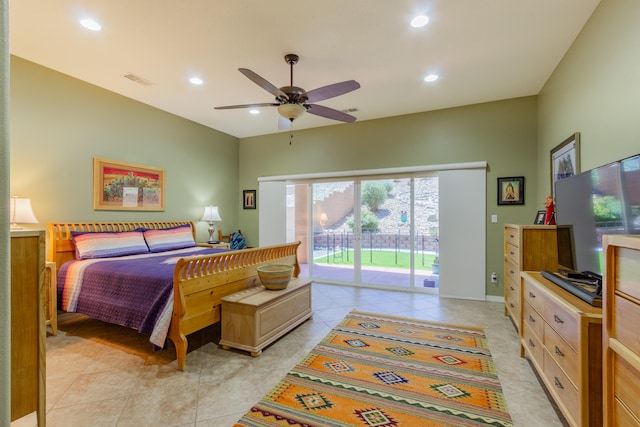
point(120, 186)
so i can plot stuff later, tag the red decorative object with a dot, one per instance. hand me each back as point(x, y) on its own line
point(550, 215)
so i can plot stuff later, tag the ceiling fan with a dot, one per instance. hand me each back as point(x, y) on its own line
point(292, 101)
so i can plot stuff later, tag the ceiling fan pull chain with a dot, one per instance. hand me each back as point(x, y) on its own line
point(290, 137)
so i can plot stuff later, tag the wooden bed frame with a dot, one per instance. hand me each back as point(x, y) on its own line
point(199, 283)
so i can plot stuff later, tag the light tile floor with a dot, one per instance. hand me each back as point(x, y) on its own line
point(105, 375)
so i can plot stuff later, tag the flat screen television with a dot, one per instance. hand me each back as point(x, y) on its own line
point(603, 200)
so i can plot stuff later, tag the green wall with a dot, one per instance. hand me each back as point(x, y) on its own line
point(595, 91)
point(503, 133)
point(59, 124)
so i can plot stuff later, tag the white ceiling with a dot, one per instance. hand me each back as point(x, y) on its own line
point(482, 50)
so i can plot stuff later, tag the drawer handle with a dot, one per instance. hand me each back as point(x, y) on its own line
point(531, 343)
point(532, 295)
point(558, 351)
point(557, 382)
point(511, 253)
point(511, 288)
point(531, 319)
point(557, 319)
point(512, 306)
point(512, 236)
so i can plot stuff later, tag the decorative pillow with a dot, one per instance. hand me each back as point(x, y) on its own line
point(109, 244)
point(237, 241)
point(168, 239)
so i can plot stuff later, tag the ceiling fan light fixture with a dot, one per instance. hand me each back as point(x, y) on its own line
point(291, 111)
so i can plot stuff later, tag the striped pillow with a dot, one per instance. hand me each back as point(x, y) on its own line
point(168, 239)
point(103, 245)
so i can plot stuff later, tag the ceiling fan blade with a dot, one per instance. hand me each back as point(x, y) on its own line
point(329, 113)
point(283, 123)
point(330, 91)
point(264, 84)
point(231, 107)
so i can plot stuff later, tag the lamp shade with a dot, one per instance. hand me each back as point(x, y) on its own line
point(211, 214)
point(20, 212)
point(291, 111)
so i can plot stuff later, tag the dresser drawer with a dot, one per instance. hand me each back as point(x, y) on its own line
point(560, 384)
point(565, 356)
point(512, 274)
point(513, 304)
point(533, 319)
point(627, 267)
point(626, 380)
point(534, 296)
point(623, 417)
point(626, 314)
point(512, 236)
point(565, 323)
point(533, 344)
point(512, 253)
point(513, 287)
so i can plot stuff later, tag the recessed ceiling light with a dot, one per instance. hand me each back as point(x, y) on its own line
point(431, 78)
point(90, 24)
point(254, 111)
point(420, 21)
point(196, 81)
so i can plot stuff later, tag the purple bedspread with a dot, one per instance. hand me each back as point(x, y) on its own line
point(130, 291)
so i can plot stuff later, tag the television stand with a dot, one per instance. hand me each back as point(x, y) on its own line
point(588, 290)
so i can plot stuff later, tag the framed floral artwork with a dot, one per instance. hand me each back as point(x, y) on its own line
point(120, 186)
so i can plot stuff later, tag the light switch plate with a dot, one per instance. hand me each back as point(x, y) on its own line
point(494, 218)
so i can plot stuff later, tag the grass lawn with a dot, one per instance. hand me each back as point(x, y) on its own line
point(377, 259)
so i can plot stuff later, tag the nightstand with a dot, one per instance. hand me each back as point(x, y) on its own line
point(51, 296)
point(221, 245)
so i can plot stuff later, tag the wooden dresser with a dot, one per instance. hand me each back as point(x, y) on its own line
point(526, 248)
point(28, 349)
point(562, 336)
point(621, 304)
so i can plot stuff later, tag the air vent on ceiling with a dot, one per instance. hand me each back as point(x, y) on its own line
point(137, 79)
point(351, 110)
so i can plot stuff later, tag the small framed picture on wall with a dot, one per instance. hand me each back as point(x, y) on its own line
point(248, 199)
point(511, 190)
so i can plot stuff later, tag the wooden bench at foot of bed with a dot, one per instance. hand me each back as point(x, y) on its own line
point(199, 283)
point(202, 282)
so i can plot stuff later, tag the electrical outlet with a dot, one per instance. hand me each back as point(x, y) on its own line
point(494, 277)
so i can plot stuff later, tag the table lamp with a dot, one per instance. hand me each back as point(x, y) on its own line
point(20, 212)
point(211, 214)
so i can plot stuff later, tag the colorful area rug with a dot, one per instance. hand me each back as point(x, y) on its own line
point(374, 370)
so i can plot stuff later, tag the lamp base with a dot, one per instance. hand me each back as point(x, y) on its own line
point(213, 242)
point(212, 228)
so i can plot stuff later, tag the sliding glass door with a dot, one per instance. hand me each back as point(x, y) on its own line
point(332, 231)
point(390, 239)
